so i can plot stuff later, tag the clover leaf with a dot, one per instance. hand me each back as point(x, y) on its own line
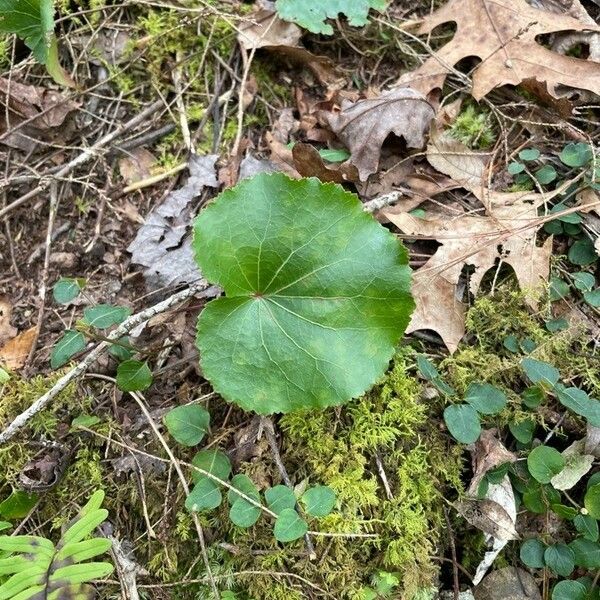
point(316, 294)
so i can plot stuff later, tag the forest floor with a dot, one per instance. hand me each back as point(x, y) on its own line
point(469, 129)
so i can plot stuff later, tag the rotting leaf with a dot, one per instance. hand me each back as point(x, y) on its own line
point(161, 244)
point(503, 36)
point(364, 125)
point(317, 294)
point(14, 353)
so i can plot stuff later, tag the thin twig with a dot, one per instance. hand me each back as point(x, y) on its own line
point(125, 327)
point(455, 582)
point(269, 430)
point(142, 404)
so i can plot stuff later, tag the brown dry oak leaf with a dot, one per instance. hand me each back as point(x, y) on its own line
point(508, 233)
point(502, 33)
point(14, 353)
point(364, 125)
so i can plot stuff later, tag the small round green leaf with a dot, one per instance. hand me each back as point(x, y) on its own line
point(121, 349)
point(576, 154)
point(540, 372)
point(334, 155)
point(245, 485)
point(522, 430)
point(591, 501)
point(583, 281)
point(244, 514)
point(554, 325)
point(528, 154)
point(67, 289)
point(532, 553)
point(133, 376)
point(102, 316)
point(560, 559)
point(580, 403)
point(204, 496)
point(69, 344)
point(544, 462)
point(538, 498)
point(485, 398)
point(187, 424)
point(318, 501)
point(547, 174)
point(317, 294)
point(212, 461)
point(515, 167)
point(463, 423)
point(582, 252)
point(533, 396)
point(289, 526)
point(558, 289)
point(586, 552)
point(569, 590)
point(587, 526)
point(279, 498)
point(593, 297)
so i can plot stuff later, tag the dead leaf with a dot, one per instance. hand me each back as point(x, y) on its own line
point(251, 166)
point(507, 234)
point(453, 158)
point(136, 165)
point(502, 34)
point(281, 156)
point(264, 29)
point(161, 244)
point(308, 163)
point(364, 125)
point(14, 353)
point(7, 331)
point(577, 464)
point(46, 111)
point(487, 453)
point(489, 517)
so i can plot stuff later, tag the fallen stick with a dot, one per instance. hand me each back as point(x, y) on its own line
point(131, 323)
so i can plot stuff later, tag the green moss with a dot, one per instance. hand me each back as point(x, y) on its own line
point(473, 127)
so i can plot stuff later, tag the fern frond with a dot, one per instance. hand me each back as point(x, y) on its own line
point(39, 570)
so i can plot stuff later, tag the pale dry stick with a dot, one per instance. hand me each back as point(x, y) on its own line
point(53, 209)
point(180, 104)
point(143, 183)
point(141, 402)
point(383, 476)
point(269, 431)
point(86, 155)
point(132, 322)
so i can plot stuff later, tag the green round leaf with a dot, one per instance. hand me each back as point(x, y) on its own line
point(538, 498)
point(515, 167)
point(547, 174)
point(553, 227)
point(69, 344)
point(133, 376)
point(582, 252)
point(569, 590)
point(204, 496)
point(244, 514)
point(245, 485)
point(529, 154)
point(485, 398)
point(591, 501)
point(463, 423)
point(586, 552)
point(580, 403)
point(576, 154)
point(558, 289)
point(334, 155)
point(67, 289)
point(212, 461)
point(522, 430)
point(587, 526)
point(533, 396)
point(554, 325)
point(532, 553)
point(318, 501)
point(121, 349)
point(544, 462)
point(540, 372)
point(583, 281)
point(102, 316)
point(187, 424)
point(511, 343)
point(313, 16)
point(279, 498)
point(17, 505)
point(592, 298)
point(593, 480)
point(560, 559)
point(289, 526)
point(427, 368)
point(317, 294)
point(564, 511)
